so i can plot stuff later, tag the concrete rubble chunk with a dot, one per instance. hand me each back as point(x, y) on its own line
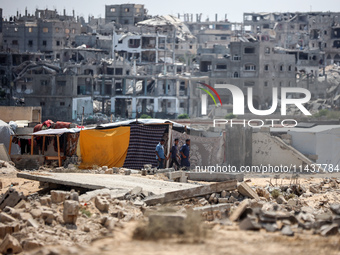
point(287, 231)
point(21, 205)
point(249, 223)
point(11, 198)
point(45, 200)
point(33, 223)
point(58, 196)
point(48, 217)
point(171, 223)
point(335, 208)
point(4, 217)
point(236, 214)
point(109, 171)
point(9, 228)
point(10, 245)
point(74, 195)
point(36, 213)
point(247, 191)
point(136, 191)
point(127, 171)
point(25, 216)
point(71, 209)
point(102, 204)
point(328, 230)
point(29, 244)
point(281, 200)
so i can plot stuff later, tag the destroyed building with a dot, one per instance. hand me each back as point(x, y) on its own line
point(125, 14)
point(305, 30)
point(248, 64)
point(45, 31)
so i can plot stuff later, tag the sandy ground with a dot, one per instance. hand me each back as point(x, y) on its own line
point(220, 239)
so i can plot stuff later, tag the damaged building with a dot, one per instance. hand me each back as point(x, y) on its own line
point(304, 30)
point(45, 31)
point(248, 64)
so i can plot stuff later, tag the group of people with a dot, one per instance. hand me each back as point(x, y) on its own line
point(178, 160)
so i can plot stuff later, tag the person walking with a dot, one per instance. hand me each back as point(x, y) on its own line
point(174, 155)
point(185, 154)
point(160, 154)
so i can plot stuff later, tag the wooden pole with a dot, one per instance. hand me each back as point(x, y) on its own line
point(58, 144)
point(10, 145)
point(169, 144)
point(32, 142)
point(43, 148)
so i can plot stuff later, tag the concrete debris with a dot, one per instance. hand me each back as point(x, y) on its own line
point(287, 231)
point(58, 196)
point(102, 204)
point(246, 191)
point(71, 210)
point(11, 198)
point(10, 245)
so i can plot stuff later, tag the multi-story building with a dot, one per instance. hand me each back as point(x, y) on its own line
point(46, 31)
point(248, 64)
point(125, 14)
point(306, 31)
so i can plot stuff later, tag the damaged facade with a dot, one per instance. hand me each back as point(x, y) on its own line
point(133, 63)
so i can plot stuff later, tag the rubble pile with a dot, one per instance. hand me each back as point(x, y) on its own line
point(60, 219)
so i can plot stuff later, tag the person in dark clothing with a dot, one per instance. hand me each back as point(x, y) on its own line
point(174, 155)
point(160, 154)
point(185, 154)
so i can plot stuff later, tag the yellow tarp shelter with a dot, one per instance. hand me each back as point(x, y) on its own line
point(104, 147)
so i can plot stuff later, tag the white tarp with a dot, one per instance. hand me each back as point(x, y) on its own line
point(59, 131)
point(5, 134)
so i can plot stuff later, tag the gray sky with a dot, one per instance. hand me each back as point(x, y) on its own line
point(234, 9)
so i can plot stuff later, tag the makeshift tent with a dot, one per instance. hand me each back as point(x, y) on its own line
point(106, 147)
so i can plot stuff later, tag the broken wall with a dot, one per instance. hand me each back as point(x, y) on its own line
point(272, 150)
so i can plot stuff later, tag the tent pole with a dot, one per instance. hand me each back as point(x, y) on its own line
point(58, 144)
point(32, 142)
point(169, 143)
point(10, 145)
point(43, 147)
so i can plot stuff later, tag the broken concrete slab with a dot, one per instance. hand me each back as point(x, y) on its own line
point(215, 177)
point(98, 181)
point(247, 191)
point(210, 208)
point(236, 214)
point(114, 193)
point(193, 192)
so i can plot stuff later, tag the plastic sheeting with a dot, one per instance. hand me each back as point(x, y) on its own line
point(5, 134)
point(104, 147)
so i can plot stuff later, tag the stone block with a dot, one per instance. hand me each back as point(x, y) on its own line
point(58, 196)
point(71, 210)
point(102, 204)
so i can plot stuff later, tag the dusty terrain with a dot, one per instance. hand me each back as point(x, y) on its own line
point(116, 236)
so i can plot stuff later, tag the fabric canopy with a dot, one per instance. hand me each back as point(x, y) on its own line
point(143, 142)
point(104, 147)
